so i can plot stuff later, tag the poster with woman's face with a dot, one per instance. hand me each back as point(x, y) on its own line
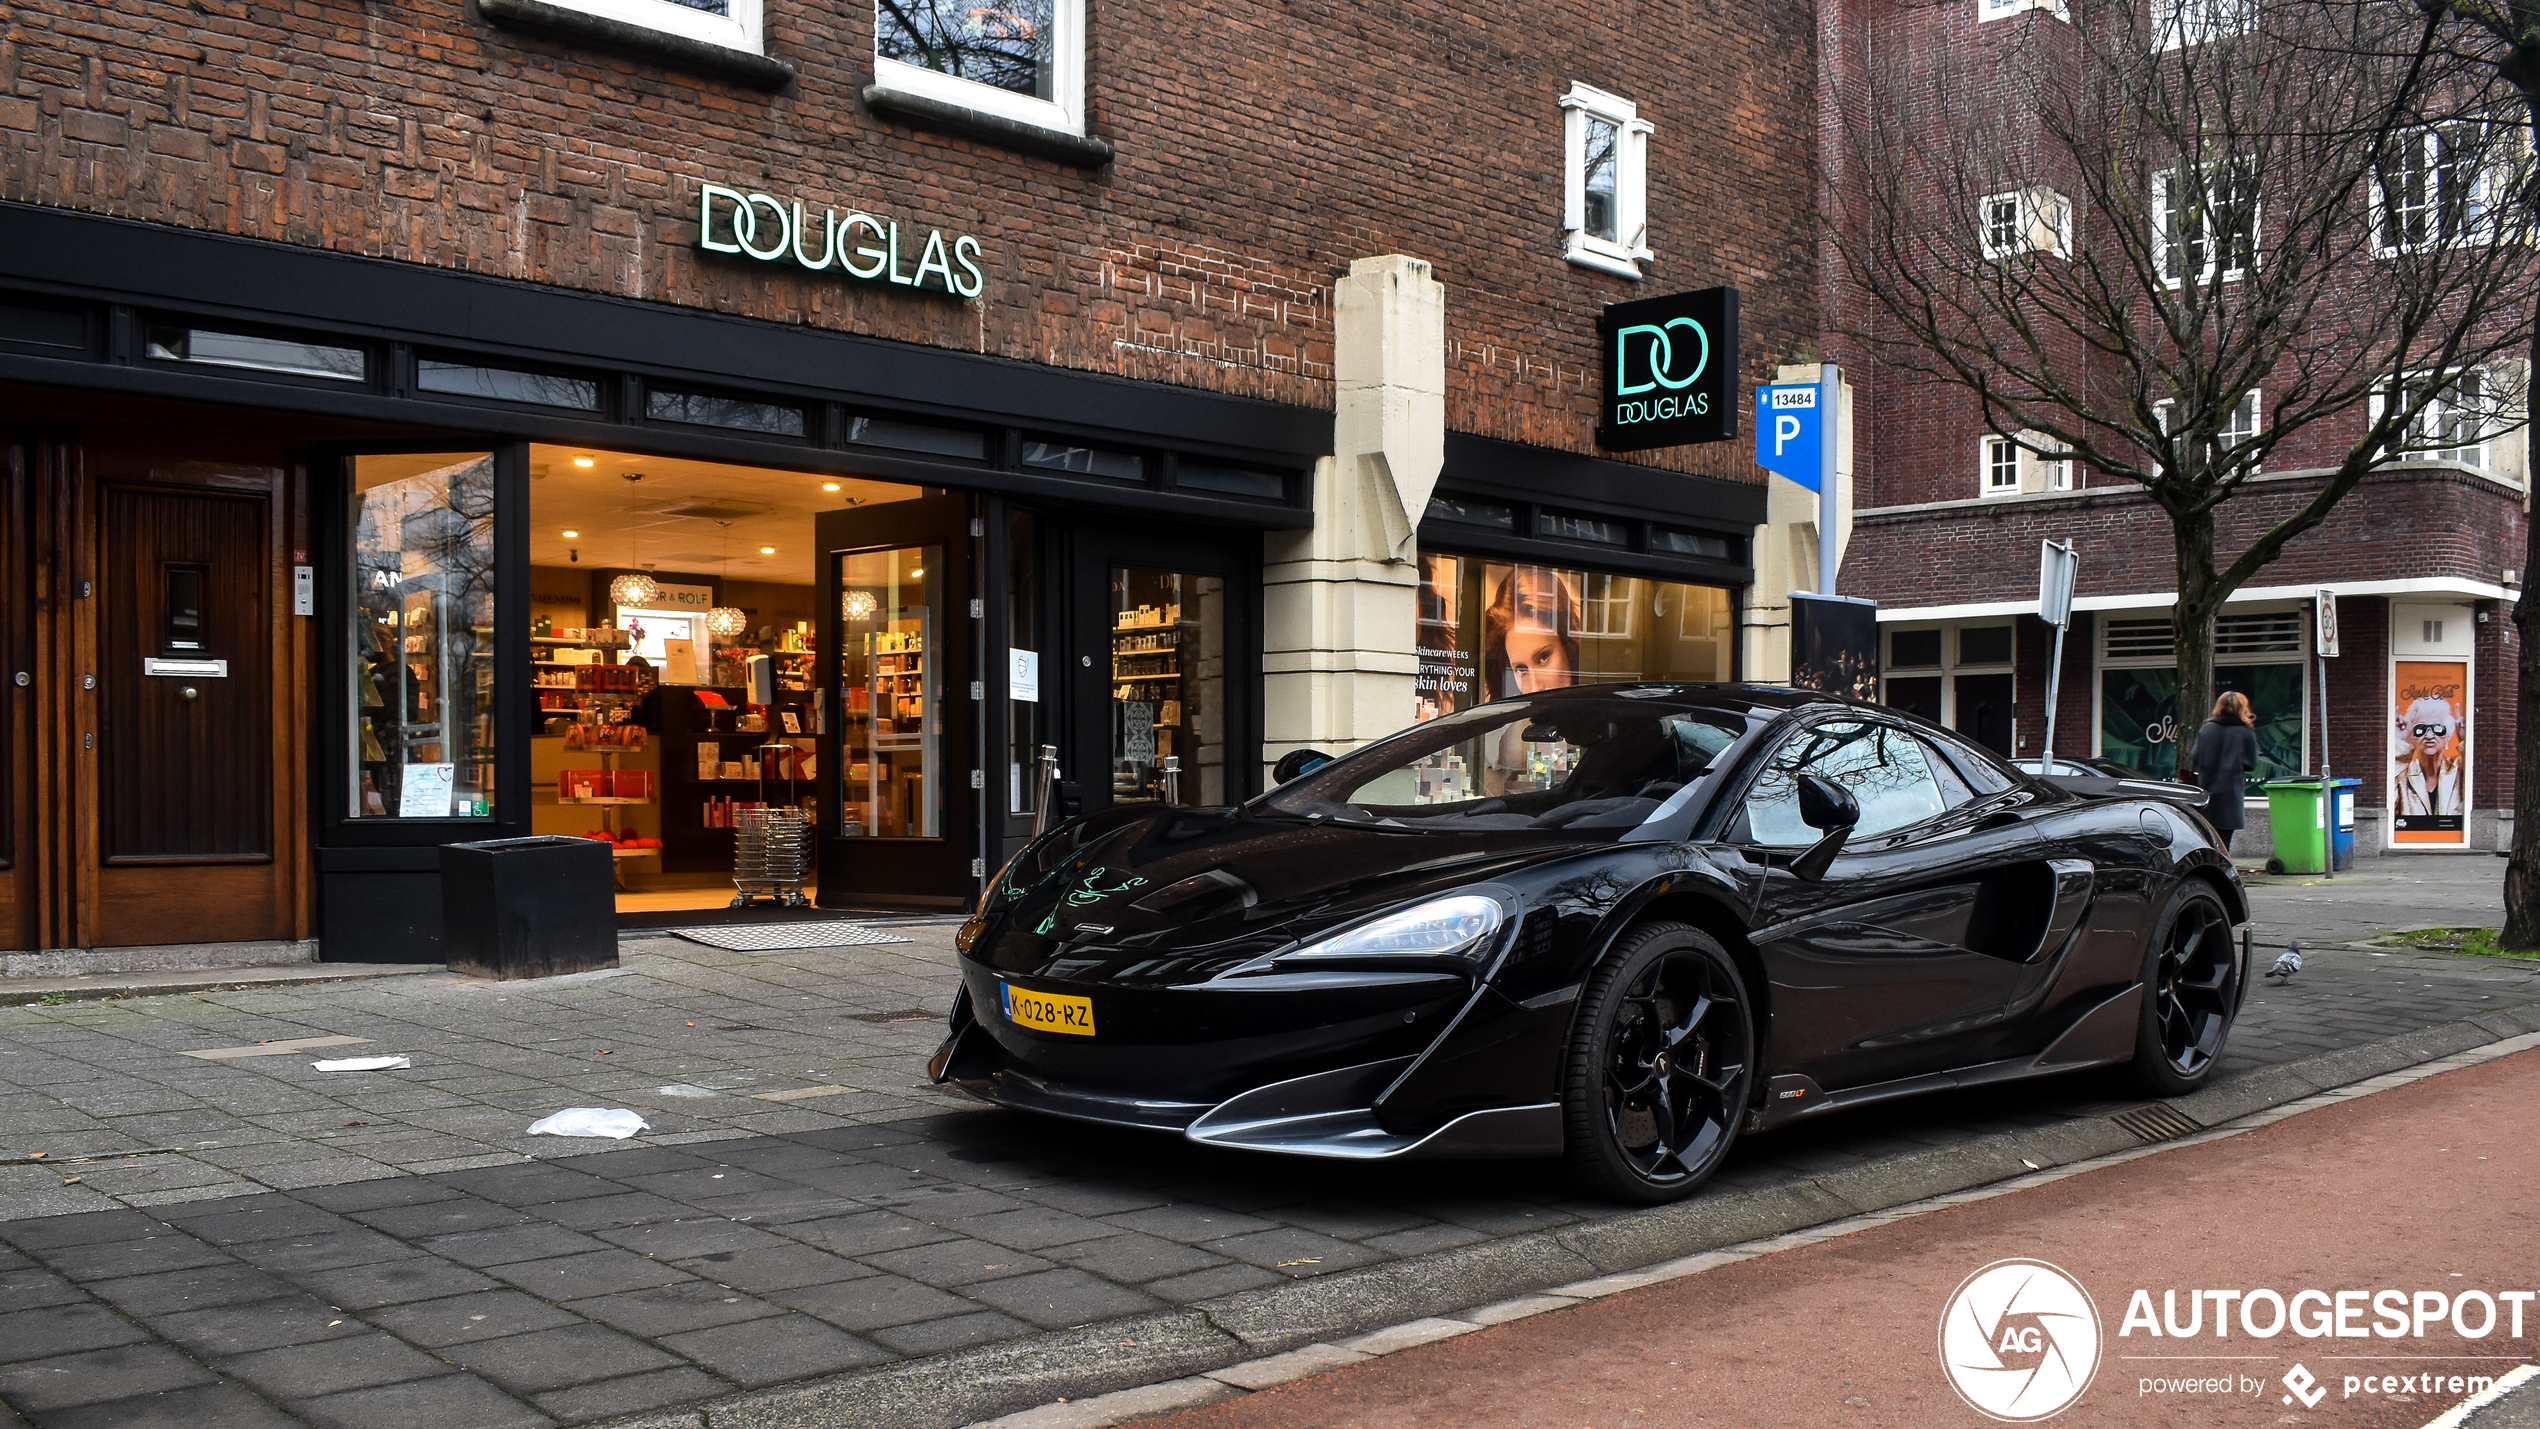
point(1490, 630)
point(2429, 797)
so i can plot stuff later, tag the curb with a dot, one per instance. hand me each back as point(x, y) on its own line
point(18, 992)
point(1170, 1359)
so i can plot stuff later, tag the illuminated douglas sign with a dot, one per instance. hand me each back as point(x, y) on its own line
point(1670, 365)
point(766, 228)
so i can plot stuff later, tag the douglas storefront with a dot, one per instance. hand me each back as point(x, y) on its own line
point(310, 565)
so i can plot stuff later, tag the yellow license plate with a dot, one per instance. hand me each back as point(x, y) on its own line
point(1049, 1011)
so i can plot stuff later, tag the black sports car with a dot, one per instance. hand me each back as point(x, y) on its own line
point(1619, 924)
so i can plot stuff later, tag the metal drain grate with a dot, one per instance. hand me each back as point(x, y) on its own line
point(2156, 1122)
point(782, 937)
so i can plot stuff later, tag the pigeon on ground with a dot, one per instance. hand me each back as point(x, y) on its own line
point(2288, 963)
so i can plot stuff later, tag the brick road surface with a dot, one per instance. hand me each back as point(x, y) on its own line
point(387, 1248)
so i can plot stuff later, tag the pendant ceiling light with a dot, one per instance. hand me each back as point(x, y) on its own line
point(634, 587)
point(727, 620)
point(859, 605)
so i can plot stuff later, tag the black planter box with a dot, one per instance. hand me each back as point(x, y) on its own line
point(534, 907)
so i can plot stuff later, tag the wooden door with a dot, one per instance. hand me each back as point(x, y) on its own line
point(184, 843)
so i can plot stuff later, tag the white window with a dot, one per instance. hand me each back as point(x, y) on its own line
point(2005, 9)
point(2193, 22)
point(2031, 461)
point(2446, 184)
point(1605, 203)
point(2199, 226)
point(1022, 60)
point(2030, 220)
point(2458, 424)
point(2237, 428)
point(726, 24)
point(2001, 466)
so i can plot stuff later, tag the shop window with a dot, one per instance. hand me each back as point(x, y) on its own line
point(1465, 511)
point(1562, 526)
point(1168, 687)
point(1022, 60)
point(958, 442)
point(1084, 461)
point(1605, 193)
point(1194, 475)
point(1026, 724)
point(1703, 544)
point(726, 24)
point(2258, 653)
point(421, 642)
point(704, 409)
point(1491, 629)
point(291, 357)
point(506, 384)
point(890, 693)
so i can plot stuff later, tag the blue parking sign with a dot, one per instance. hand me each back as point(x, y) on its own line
point(1788, 432)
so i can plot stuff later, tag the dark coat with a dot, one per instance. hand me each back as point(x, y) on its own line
point(2226, 750)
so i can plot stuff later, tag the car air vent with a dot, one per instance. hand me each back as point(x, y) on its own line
point(1215, 887)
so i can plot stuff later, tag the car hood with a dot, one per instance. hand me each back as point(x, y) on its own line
point(1182, 894)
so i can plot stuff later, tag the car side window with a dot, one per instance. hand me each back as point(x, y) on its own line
point(1885, 768)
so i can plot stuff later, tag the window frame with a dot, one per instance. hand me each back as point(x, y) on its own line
point(1989, 466)
point(2165, 183)
point(2252, 402)
point(2483, 216)
point(2171, 21)
point(743, 31)
point(1623, 254)
point(1062, 113)
point(2037, 212)
point(2403, 448)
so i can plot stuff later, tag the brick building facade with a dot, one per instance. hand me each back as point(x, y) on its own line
point(384, 384)
point(2423, 556)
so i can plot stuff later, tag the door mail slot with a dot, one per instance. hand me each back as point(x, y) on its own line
point(192, 669)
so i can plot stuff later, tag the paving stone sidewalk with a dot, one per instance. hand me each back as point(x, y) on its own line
point(391, 1248)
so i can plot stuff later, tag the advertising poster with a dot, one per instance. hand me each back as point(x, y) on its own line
point(1489, 630)
point(2429, 761)
point(1834, 645)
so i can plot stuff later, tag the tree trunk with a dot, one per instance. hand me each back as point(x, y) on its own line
point(2522, 875)
point(2200, 599)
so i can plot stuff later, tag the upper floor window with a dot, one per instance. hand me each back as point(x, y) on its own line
point(2445, 183)
point(1022, 60)
point(2239, 427)
point(2459, 422)
point(2193, 22)
point(728, 24)
point(2204, 220)
point(2031, 461)
point(2005, 9)
point(2030, 220)
point(1605, 200)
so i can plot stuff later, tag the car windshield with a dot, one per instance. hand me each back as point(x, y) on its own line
point(1582, 765)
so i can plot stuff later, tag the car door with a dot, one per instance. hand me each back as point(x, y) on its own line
point(1912, 952)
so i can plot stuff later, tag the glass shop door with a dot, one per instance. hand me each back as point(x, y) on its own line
point(899, 664)
point(1165, 680)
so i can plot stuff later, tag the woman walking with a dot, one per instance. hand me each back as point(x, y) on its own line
point(2226, 750)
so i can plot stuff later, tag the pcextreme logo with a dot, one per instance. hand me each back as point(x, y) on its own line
point(2019, 1341)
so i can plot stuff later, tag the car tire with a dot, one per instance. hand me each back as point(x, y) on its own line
point(2191, 988)
point(1642, 1121)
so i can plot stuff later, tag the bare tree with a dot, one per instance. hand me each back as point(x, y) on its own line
point(2504, 37)
point(2113, 227)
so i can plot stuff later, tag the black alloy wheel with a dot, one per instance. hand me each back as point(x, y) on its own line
point(1661, 1065)
point(2191, 987)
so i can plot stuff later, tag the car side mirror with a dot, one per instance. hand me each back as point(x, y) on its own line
point(1826, 805)
point(1297, 763)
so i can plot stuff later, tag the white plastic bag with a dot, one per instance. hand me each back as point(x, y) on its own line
point(363, 1064)
point(591, 1121)
point(682, 1089)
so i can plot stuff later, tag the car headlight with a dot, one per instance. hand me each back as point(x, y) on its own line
point(1461, 924)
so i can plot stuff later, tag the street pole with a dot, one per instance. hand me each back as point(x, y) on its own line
point(2057, 566)
point(2054, 680)
point(1829, 439)
point(2328, 796)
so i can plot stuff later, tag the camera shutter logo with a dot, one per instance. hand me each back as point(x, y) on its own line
point(2019, 1341)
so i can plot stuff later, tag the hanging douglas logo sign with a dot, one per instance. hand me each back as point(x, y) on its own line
point(1670, 366)
point(876, 250)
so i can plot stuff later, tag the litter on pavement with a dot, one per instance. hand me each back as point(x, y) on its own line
point(682, 1089)
point(591, 1121)
point(363, 1064)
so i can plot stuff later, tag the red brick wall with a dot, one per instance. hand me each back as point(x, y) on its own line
point(1253, 165)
